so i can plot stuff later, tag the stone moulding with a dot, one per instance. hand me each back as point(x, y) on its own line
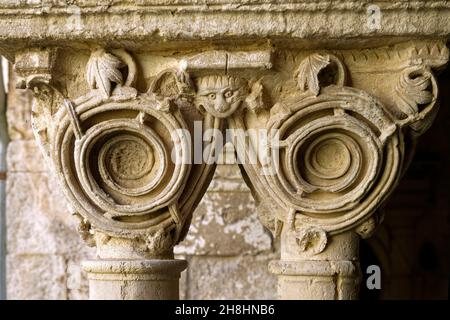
point(108, 277)
point(115, 87)
point(170, 23)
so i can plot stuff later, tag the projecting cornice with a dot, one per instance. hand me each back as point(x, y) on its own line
point(144, 24)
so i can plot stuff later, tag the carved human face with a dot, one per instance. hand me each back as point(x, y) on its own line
point(220, 96)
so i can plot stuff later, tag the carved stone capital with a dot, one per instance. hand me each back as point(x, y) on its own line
point(343, 123)
point(121, 156)
point(334, 144)
point(322, 103)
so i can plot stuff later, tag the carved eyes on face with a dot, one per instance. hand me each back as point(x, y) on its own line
point(227, 94)
point(220, 103)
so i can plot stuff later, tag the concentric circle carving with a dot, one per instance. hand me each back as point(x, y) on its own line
point(330, 162)
point(329, 157)
point(339, 155)
point(126, 157)
point(119, 171)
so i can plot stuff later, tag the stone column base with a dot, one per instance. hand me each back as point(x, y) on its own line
point(134, 279)
point(317, 280)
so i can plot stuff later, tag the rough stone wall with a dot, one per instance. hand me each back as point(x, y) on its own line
point(227, 248)
point(43, 247)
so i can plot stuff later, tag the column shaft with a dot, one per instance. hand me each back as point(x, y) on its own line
point(134, 279)
point(334, 274)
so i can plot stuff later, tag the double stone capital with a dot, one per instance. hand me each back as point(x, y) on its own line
point(134, 102)
point(334, 135)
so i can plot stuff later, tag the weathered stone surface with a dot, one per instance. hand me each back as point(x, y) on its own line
point(305, 23)
point(36, 277)
point(38, 219)
point(18, 112)
point(183, 283)
point(44, 250)
point(226, 223)
point(42, 241)
point(342, 90)
point(340, 150)
point(243, 277)
point(25, 156)
point(77, 283)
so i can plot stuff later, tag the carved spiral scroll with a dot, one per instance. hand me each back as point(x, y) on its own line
point(416, 97)
point(119, 172)
point(339, 155)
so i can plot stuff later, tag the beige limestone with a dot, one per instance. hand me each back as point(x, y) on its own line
point(44, 249)
point(332, 274)
point(23, 156)
point(165, 23)
point(110, 103)
point(36, 277)
point(244, 277)
point(225, 223)
point(134, 280)
point(245, 260)
point(19, 112)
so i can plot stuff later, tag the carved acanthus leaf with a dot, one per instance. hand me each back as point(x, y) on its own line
point(308, 72)
point(103, 69)
point(122, 139)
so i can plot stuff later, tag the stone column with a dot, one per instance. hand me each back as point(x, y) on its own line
point(134, 279)
point(332, 274)
point(326, 155)
point(324, 107)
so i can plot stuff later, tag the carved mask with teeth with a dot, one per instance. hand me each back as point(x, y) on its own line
point(220, 96)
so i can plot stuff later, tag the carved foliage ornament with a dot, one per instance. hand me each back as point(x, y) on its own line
point(416, 97)
point(340, 153)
